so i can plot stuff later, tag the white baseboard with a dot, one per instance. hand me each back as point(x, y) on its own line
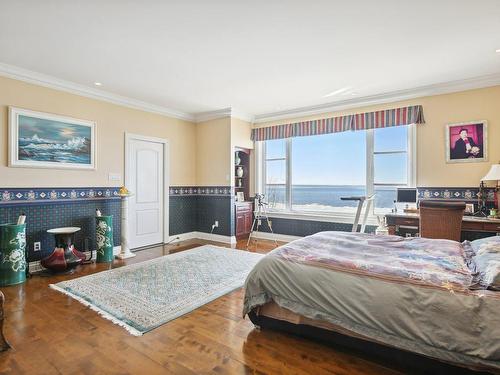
point(231, 239)
point(182, 237)
point(274, 236)
point(36, 266)
point(203, 236)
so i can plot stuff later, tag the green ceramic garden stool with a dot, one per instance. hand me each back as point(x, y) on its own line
point(104, 238)
point(12, 254)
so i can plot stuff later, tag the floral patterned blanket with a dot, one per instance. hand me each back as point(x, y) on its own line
point(415, 294)
point(439, 263)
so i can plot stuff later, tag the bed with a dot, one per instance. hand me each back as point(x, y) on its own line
point(417, 295)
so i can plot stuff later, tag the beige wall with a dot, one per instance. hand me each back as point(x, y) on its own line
point(215, 143)
point(112, 122)
point(432, 170)
point(202, 154)
point(240, 133)
point(240, 137)
point(213, 152)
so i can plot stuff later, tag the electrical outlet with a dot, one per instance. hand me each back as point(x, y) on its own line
point(37, 246)
point(216, 223)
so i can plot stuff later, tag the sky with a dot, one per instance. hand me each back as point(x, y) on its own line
point(51, 130)
point(339, 158)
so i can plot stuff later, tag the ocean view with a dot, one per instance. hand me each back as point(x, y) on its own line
point(326, 197)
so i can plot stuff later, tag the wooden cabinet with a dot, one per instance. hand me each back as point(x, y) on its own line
point(244, 218)
point(244, 209)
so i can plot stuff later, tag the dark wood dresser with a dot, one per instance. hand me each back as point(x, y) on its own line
point(469, 223)
point(244, 217)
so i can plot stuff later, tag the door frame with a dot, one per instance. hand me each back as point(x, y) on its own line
point(166, 173)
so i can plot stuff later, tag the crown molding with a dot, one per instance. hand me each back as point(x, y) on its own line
point(222, 113)
point(212, 115)
point(40, 79)
point(394, 96)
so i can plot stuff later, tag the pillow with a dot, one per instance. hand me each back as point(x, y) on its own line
point(487, 259)
point(486, 245)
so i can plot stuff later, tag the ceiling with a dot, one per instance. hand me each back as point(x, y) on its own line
point(257, 56)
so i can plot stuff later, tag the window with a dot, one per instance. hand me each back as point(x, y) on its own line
point(310, 174)
point(276, 173)
point(390, 165)
point(325, 168)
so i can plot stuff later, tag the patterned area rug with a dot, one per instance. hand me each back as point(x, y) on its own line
point(143, 296)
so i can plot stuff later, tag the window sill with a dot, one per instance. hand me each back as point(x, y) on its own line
point(330, 217)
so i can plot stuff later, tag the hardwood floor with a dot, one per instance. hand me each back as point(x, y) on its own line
point(51, 333)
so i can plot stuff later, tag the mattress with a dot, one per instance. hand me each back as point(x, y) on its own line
point(413, 294)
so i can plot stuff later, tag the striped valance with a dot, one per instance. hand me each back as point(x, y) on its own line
point(361, 121)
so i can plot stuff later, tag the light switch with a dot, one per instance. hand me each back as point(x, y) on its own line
point(114, 177)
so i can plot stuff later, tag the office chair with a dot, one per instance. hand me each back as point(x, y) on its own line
point(441, 219)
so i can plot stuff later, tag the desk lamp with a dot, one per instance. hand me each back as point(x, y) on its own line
point(493, 175)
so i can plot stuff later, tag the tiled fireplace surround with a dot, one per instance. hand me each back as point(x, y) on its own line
point(192, 209)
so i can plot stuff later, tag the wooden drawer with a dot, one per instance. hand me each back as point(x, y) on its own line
point(243, 207)
point(469, 225)
point(491, 227)
point(407, 221)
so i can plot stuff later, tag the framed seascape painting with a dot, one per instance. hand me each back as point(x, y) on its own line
point(43, 140)
point(467, 142)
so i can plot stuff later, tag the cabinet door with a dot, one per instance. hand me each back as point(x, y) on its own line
point(248, 222)
point(240, 224)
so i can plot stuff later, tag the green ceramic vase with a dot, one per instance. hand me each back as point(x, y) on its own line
point(104, 238)
point(12, 254)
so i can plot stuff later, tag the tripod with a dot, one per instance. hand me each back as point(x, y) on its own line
point(260, 214)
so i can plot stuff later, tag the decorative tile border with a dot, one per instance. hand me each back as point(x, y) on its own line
point(37, 195)
point(451, 193)
point(202, 190)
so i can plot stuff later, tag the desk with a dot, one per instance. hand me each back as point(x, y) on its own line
point(469, 223)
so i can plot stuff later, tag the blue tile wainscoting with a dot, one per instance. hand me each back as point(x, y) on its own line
point(48, 208)
point(192, 209)
point(301, 228)
point(196, 208)
point(183, 211)
point(463, 194)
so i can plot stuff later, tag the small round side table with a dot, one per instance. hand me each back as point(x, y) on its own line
point(65, 257)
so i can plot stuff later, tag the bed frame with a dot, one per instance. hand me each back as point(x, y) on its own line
point(399, 360)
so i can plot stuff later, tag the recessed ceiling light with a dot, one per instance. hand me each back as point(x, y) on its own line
point(354, 93)
point(336, 92)
point(98, 83)
point(497, 51)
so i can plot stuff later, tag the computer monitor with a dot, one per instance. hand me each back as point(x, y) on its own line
point(406, 195)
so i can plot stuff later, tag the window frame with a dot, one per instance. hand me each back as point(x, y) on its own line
point(341, 217)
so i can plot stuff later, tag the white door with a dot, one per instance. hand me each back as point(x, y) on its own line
point(146, 181)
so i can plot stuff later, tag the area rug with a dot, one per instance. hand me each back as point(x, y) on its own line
point(143, 296)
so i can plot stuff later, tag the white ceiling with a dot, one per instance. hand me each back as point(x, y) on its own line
point(256, 56)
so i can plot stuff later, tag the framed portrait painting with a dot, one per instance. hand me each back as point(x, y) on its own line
point(467, 142)
point(43, 140)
